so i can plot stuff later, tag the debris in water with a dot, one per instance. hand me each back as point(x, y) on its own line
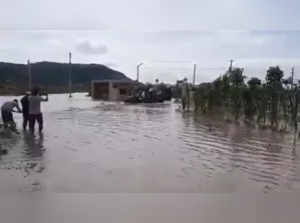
point(3, 151)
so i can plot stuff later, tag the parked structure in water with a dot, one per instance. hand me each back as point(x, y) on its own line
point(150, 93)
point(112, 90)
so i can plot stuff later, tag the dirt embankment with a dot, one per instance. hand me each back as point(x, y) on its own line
point(10, 90)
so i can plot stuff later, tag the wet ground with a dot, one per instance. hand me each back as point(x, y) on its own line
point(92, 147)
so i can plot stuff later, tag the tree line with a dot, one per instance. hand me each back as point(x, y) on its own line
point(272, 102)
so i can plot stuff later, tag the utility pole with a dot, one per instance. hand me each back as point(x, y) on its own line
point(230, 67)
point(194, 74)
point(29, 75)
point(70, 75)
point(294, 89)
point(293, 71)
point(138, 71)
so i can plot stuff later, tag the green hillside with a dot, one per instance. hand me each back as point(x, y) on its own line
point(54, 75)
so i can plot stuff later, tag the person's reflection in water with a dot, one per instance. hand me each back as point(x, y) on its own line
point(34, 154)
point(34, 146)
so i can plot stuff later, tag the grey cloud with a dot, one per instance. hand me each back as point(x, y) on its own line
point(87, 47)
point(149, 15)
point(166, 54)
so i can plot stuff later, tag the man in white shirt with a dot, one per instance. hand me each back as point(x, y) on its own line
point(7, 110)
point(35, 113)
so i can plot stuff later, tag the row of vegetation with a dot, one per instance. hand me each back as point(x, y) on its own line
point(272, 102)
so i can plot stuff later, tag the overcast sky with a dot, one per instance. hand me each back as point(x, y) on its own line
point(168, 36)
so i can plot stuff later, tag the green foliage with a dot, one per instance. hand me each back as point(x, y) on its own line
point(261, 101)
point(237, 83)
point(202, 97)
point(56, 74)
point(277, 99)
point(274, 83)
point(236, 77)
point(274, 75)
point(254, 83)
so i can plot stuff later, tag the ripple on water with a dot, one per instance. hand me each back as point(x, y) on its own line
point(201, 147)
point(261, 159)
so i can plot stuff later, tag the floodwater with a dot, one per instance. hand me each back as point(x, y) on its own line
point(93, 147)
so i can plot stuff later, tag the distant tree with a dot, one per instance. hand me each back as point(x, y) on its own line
point(274, 75)
point(250, 98)
point(276, 99)
point(254, 83)
point(262, 103)
point(274, 83)
point(226, 90)
point(215, 94)
point(287, 82)
point(202, 97)
point(237, 78)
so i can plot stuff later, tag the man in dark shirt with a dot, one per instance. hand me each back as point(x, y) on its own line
point(25, 109)
point(7, 110)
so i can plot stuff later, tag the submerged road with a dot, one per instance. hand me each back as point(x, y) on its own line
point(141, 157)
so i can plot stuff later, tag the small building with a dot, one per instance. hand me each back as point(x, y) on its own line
point(111, 90)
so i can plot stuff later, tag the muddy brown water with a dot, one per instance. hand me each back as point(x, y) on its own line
point(105, 147)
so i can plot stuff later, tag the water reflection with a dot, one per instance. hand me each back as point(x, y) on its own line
point(34, 145)
point(151, 143)
point(8, 139)
point(266, 157)
point(24, 153)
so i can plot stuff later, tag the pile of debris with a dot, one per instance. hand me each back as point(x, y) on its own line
point(150, 93)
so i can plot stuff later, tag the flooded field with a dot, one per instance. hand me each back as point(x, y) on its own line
point(102, 147)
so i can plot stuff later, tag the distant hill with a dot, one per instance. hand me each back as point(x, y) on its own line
point(54, 75)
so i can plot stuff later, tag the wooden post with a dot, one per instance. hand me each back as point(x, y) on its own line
point(70, 75)
point(29, 75)
point(194, 74)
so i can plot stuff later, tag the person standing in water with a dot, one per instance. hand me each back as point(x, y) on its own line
point(25, 109)
point(7, 110)
point(35, 113)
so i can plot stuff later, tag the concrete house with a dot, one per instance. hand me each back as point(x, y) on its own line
point(111, 90)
